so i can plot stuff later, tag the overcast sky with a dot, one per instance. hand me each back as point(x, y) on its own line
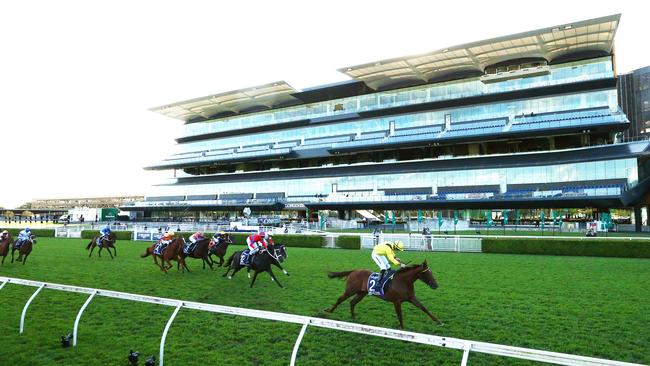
point(77, 77)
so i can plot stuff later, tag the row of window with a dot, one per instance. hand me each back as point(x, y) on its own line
point(587, 171)
point(477, 112)
point(560, 74)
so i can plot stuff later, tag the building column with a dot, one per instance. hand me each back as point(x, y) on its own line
point(637, 218)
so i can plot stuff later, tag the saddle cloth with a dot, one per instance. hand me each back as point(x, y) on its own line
point(189, 248)
point(160, 247)
point(378, 289)
point(243, 261)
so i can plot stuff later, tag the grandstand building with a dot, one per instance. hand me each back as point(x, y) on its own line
point(529, 120)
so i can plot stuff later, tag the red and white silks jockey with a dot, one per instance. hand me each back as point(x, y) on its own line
point(256, 241)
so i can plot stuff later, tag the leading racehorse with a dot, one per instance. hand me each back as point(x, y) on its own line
point(24, 250)
point(4, 247)
point(273, 254)
point(106, 242)
point(401, 288)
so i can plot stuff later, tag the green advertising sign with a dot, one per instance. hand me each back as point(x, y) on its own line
point(488, 218)
point(440, 219)
point(419, 215)
point(505, 218)
point(455, 217)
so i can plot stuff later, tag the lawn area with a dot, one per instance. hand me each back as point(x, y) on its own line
point(583, 305)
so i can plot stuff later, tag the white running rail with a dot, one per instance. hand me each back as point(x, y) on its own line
point(466, 346)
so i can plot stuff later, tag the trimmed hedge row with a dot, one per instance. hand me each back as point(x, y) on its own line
point(348, 242)
point(120, 235)
point(593, 248)
point(38, 232)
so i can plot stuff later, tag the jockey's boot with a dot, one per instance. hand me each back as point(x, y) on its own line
point(381, 276)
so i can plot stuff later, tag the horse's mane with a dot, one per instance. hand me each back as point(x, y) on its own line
point(408, 267)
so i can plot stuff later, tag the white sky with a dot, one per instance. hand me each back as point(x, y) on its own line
point(77, 77)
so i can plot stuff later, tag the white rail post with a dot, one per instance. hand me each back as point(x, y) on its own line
point(466, 349)
point(164, 335)
point(294, 354)
point(3, 284)
point(76, 321)
point(22, 316)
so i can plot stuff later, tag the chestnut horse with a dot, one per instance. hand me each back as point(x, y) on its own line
point(400, 290)
point(4, 247)
point(200, 251)
point(219, 249)
point(171, 252)
point(108, 243)
point(24, 250)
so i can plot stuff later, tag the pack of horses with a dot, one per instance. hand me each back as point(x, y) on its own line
point(23, 251)
point(401, 288)
point(206, 248)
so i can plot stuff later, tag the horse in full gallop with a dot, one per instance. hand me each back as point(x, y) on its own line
point(261, 262)
point(401, 288)
point(24, 250)
point(219, 249)
point(4, 247)
point(107, 242)
point(171, 252)
point(200, 251)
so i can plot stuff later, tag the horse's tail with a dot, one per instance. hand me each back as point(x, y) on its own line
point(338, 274)
point(89, 244)
point(146, 253)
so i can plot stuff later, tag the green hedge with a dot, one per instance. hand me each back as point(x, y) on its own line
point(585, 247)
point(348, 242)
point(305, 241)
point(120, 235)
point(38, 232)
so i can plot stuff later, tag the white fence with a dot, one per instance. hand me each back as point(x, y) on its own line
point(466, 346)
point(68, 232)
point(426, 242)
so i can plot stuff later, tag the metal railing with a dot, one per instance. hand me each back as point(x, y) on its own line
point(466, 346)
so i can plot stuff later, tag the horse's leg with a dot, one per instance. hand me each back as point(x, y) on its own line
point(12, 254)
point(233, 273)
point(413, 300)
point(353, 302)
point(99, 253)
point(25, 259)
point(398, 311)
point(114, 251)
point(346, 294)
point(3, 259)
point(109, 252)
point(254, 278)
point(92, 247)
point(273, 278)
point(185, 264)
point(283, 270)
point(221, 262)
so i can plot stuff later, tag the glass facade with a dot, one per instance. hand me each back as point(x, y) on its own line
point(588, 171)
point(479, 112)
point(559, 74)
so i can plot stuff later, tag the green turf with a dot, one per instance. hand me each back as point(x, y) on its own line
point(590, 306)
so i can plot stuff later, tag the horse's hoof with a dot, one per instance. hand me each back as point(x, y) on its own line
point(249, 275)
point(441, 324)
point(230, 277)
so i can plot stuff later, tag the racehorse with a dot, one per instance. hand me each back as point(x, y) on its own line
point(171, 252)
point(24, 250)
point(4, 247)
point(400, 290)
point(107, 242)
point(219, 249)
point(273, 254)
point(200, 251)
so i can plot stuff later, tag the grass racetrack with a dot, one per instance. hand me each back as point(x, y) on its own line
point(583, 305)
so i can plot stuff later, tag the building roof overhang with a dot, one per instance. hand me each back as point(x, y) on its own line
point(262, 97)
point(593, 36)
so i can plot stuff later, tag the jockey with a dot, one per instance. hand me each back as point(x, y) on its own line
point(167, 237)
point(4, 235)
point(384, 252)
point(217, 238)
point(23, 236)
point(255, 242)
point(104, 232)
point(196, 237)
